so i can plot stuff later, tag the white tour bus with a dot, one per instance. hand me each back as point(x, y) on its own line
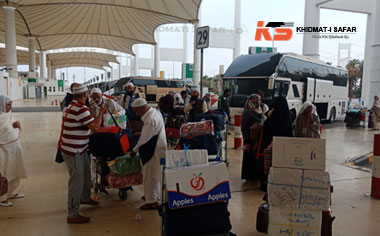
point(296, 77)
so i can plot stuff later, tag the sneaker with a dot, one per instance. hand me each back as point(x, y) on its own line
point(92, 202)
point(6, 204)
point(78, 220)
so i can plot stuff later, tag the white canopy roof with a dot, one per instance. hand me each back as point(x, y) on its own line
point(110, 24)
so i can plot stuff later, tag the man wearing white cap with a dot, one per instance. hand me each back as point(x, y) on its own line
point(151, 146)
point(125, 100)
point(98, 100)
point(77, 126)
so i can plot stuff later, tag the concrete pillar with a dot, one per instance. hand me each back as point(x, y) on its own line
point(10, 41)
point(197, 58)
point(367, 59)
point(32, 54)
point(374, 78)
point(237, 29)
point(136, 61)
point(185, 44)
point(310, 44)
point(49, 75)
point(43, 64)
point(156, 70)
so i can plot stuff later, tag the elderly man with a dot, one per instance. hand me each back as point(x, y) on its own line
point(125, 100)
point(151, 146)
point(77, 126)
point(195, 106)
point(98, 100)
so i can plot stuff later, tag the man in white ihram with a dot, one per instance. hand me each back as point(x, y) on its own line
point(151, 147)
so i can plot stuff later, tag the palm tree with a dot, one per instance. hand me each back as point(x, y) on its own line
point(355, 73)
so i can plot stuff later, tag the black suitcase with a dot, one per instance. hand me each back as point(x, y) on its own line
point(262, 218)
point(206, 219)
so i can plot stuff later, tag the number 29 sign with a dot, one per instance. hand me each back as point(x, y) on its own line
point(203, 34)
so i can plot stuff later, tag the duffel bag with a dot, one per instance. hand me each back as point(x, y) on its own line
point(109, 142)
point(125, 165)
point(207, 141)
point(197, 128)
point(217, 118)
point(197, 220)
point(123, 181)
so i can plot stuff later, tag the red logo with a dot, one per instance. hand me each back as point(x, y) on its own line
point(197, 182)
point(281, 34)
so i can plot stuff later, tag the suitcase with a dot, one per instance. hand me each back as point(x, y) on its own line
point(262, 218)
point(207, 141)
point(206, 219)
point(327, 221)
point(216, 117)
point(109, 142)
point(123, 181)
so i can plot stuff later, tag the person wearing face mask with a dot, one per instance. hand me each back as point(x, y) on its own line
point(252, 114)
point(195, 106)
point(307, 124)
point(98, 100)
point(12, 164)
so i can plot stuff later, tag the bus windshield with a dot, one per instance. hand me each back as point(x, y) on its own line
point(242, 88)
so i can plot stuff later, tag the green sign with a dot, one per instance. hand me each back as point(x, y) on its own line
point(32, 80)
point(60, 83)
point(189, 70)
point(254, 50)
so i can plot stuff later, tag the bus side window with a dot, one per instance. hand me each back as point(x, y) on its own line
point(295, 91)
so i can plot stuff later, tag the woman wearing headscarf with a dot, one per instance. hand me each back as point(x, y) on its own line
point(12, 164)
point(252, 114)
point(376, 113)
point(307, 124)
point(278, 123)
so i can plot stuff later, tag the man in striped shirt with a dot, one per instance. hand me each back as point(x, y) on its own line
point(77, 128)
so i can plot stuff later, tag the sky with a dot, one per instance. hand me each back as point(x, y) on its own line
point(220, 14)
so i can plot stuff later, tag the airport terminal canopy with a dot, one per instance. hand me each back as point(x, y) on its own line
point(22, 57)
point(80, 65)
point(110, 24)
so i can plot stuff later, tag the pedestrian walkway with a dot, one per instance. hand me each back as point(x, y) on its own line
point(43, 211)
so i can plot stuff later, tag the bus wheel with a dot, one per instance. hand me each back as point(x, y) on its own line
point(332, 115)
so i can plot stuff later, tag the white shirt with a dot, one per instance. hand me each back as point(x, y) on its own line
point(153, 125)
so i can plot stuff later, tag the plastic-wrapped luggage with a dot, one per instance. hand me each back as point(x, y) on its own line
point(197, 220)
point(207, 141)
point(217, 118)
point(123, 181)
point(197, 128)
point(125, 165)
point(262, 218)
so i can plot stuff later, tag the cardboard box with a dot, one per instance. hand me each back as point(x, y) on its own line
point(294, 222)
point(182, 158)
point(194, 185)
point(303, 189)
point(301, 153)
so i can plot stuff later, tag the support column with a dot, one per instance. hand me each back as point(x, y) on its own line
point(10, 41)
point(42, 64)
point(156, 70)
point(49, 75)
point(32, 54)
point(136, 61)
point(197, 58)
point(374, 86)
point(367, 59)
point(185, 44)
point(310, 44)
point(237, 29)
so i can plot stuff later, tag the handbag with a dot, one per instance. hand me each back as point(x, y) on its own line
point(3, 185)
point(146, 150)
point(58, 155)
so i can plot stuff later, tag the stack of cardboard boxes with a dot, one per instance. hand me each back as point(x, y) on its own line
point(298, 186)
